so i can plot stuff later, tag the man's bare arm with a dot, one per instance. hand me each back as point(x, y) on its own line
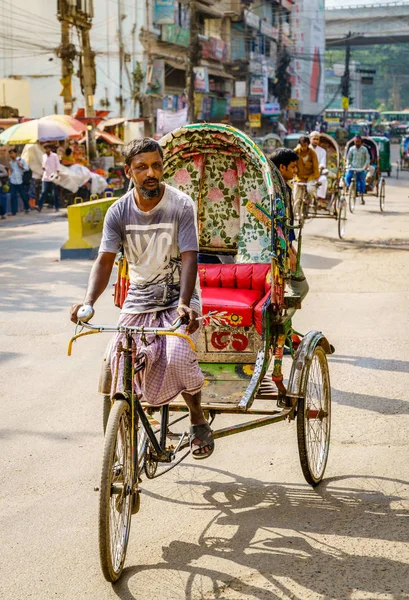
point(98, 281)
point(187, 287)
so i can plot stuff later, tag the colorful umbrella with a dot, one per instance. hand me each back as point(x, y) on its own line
point(70, 121)
point(37, 130)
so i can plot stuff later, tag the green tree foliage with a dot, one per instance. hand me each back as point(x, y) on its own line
point(389, 61)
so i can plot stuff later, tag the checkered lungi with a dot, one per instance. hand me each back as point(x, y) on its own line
point(171, 364)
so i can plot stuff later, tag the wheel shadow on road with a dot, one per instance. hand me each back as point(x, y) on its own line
point(372, 363)
point(317, 261)
point(267, 540)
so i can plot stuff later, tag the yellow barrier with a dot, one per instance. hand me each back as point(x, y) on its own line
point(85, 223)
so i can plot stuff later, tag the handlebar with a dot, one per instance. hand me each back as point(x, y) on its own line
point(128, 330)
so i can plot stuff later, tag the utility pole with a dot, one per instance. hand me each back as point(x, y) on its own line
point(194, 57)
point(79, 15)
point(67, 53)
point(346, 79)
point(121, 60)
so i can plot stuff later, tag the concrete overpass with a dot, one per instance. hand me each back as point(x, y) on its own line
point(369, 24)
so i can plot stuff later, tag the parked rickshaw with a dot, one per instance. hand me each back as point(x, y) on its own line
point(243, 214)
point(384, 153)
point(291, 140)
point(403, 164)
point(271, 142)
point(336, 205)
point(375, 183)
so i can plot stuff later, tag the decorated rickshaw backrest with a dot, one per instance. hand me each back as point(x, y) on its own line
point(234, 188)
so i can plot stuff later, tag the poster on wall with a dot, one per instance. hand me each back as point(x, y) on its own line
point(155, 78)
point(164, 12)
point(201, 79)
point(308, 29)
point(168, 121)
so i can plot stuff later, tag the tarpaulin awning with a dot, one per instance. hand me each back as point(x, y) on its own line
point(110, 123)
point(107, 137)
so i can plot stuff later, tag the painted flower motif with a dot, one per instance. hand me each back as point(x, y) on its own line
point(230, 178)
point(215, 318)
point(255, 196)
point(182, 177)
point(215, 195)
point(241, 167)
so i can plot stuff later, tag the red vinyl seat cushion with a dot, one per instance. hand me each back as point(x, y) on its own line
point(238, 290)
point(237, 303)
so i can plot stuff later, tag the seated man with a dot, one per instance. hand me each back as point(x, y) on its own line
point(322, 164)
point(286, 162)
point(156, 225)
point(357, 158)
point(307, 169)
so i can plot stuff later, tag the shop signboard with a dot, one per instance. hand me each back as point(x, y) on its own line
point(238, 113)
point(251, 19)
point(308, 30)
point(214, 48)
point(219, 108)
point(164, 12)
point(201, 79)
point(155, 78)
point(293, 104)
point(257, 85)
point(267, 29)
point(236, 102)
point(168, 121)
point(255, 120)
point(241, 89)
point(173, 34)
point(270, 109)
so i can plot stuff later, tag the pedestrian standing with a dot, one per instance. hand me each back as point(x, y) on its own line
point(51, 168)
point(3, 200)
point(16, 171)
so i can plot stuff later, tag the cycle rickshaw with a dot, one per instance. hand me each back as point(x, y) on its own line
point(270, 142)
point(384, 153)
point(375, 183)
point(335, 203)
point(242, 216)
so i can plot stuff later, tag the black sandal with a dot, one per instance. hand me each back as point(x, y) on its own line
point(204, 434)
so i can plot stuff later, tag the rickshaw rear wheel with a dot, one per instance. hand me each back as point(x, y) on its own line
point(352, 196)
point(106, 409)
point(382, 195)
point(314, 418)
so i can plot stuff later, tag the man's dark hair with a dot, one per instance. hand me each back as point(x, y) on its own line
point(304, 138)
point(48, 146)
point(14, 149)
point(283, 156)
point(139, 146)
point(358, 137)
point(68, 152)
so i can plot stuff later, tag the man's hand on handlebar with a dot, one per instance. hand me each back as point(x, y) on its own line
point(185, 311)
point(81, 312)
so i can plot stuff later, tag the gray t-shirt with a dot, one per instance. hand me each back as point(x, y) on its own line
point(153, 242)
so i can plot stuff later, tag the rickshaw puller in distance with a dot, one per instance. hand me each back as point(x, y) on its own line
point(322, 164)
point(156, 225)
point(358, 158)
point(307, 168)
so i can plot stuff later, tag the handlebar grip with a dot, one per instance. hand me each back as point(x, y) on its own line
point(85, 313)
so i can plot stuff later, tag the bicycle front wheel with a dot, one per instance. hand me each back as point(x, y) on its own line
point(342, 217)
point(314, 418)
point(352, 196)
point(115, 504)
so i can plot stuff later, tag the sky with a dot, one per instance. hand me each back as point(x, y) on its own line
point(30, 33)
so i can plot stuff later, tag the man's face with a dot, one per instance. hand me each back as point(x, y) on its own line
point(358, 142)
point(304, 146)
point(13, 155)
point(289, 172)
point(146, 172)
point(48, 151)
point(315, 140)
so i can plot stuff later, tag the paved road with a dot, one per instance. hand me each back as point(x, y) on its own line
point(243, 524)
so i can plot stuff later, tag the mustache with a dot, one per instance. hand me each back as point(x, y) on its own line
point(151, 180)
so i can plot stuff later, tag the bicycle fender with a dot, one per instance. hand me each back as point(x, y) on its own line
point(302, 360)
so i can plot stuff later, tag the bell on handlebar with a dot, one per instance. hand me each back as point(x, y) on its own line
point(85, 313)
